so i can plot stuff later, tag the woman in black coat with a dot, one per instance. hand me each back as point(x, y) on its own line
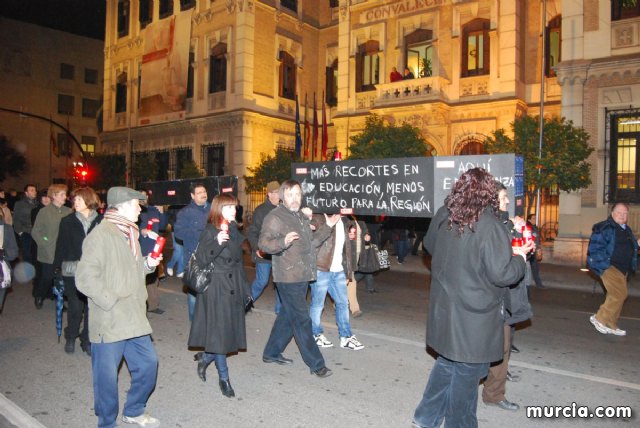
point(73, 229)
point(472, 262)
point(218, 324)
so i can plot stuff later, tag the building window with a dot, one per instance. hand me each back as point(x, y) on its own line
point(166, 8)
point(66, 71)
point(182, 157)
point(90, 76)
point(213, 159)
point(123, 18)
point(419, 52)
point(88, 144)
point(332, 84)
point(146, 10)
point(368, 66)
point(190, 75)
point(90, 108)
point(472, 147)
point(334, 3)
point(218, 68)
point(475, 48)
point(625, 147)
point(64, 145)
point(121, 93)
point(162, 160)
point(624, 9)
point(187, 4)
point(287, 76)
point(65, 104)
point(290, 4)
point(552, 46)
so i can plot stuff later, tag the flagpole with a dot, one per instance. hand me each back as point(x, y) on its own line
point(306, 131)
point(50, 151)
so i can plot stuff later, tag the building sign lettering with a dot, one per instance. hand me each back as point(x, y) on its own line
point(399, 8)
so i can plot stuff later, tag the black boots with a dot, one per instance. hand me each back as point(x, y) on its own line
point(202, 365)
point(70, 346)
point(226, 388)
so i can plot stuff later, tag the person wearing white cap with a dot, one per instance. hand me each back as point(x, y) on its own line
point(111, 274)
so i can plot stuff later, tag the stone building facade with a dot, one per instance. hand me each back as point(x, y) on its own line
point(483, 70)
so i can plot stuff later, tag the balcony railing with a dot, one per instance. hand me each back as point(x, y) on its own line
point(217, 100)
point(412, 90)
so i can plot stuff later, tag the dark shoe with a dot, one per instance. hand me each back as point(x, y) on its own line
point(202, 365)
point(505, 405)
point(86, 348)
point(38, 302)
point(70, 346)
point(278, 360)
point(514, 349)
point(226, 388)
point(512, 378)
point(157, 311)
point(322, 372)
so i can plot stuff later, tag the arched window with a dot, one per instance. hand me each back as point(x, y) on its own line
point(475, 48)
point(287, 76)
point(332, 84)
point(218, 68)
point(472, 147)
point(552, 45)
point(418, 52)
point(368, 66)
point(121, 92)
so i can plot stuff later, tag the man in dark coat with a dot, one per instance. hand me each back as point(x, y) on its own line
point(612, 254)
point(286, 235)
point(22, 220)
point(261, 259)
point(189, 225)
point(472, 261)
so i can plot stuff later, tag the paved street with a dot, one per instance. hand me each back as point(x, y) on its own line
point(563, 360)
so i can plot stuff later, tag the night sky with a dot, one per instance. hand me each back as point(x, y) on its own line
point(83, 17)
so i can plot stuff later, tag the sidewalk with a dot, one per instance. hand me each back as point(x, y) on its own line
point(553, 276)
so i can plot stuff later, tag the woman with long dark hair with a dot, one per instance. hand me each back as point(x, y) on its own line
point(218, 323)
point(73, 229)
point(472, 263)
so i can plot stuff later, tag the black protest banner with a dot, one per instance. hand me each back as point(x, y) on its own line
point(401, 187)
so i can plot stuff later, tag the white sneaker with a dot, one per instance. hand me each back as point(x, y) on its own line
point(144, 420)
point(601, 327)
point(169, 271)
point(322, 341)
point(351, 343)
point(618, 332)
point(180, 275)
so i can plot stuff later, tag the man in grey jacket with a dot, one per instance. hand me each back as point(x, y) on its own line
point(111, 274)
point(286, 234)
point(22, 220)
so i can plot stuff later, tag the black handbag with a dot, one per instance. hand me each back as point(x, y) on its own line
point(197, 278)
point(368, 261)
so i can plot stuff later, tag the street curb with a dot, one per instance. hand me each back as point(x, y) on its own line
point(16, 416)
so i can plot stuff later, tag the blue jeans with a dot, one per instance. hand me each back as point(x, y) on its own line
point(191, 297)
point(221, 364)
point(336, 284)
point(401, 247)
point(263, 270)
point(293, 321)
point(452, 394)
point(142, 361)
point(177, 258)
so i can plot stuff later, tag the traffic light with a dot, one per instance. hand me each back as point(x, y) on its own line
point(80, 172)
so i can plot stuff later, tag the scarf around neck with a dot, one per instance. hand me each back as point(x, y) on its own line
point(128, 228)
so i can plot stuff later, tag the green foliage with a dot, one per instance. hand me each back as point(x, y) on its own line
point(12, 162)
point(565, 149)
point(276, 167)
point(189, 169)
point(145, 167)
point(380, 141)
point(107, 171)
